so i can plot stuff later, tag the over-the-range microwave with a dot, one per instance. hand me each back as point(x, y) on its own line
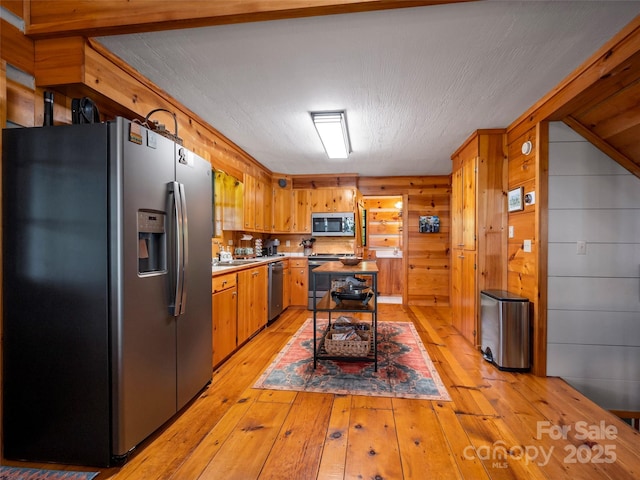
point(336, 224)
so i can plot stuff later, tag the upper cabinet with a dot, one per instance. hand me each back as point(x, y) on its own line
point(301, 211)
point(218, 187)
point(260, 207)
point(249, 202)
point(228, 203)
point(463, 203)
point(283, 208)
point(257, 204)
point(333, 200)
point(291, 212)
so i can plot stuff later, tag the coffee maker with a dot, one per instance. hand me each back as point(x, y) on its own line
point(272, 247)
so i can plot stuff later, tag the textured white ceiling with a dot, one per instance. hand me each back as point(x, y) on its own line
point(415, 83)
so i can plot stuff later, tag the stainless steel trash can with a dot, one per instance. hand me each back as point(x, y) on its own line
point(505, 330)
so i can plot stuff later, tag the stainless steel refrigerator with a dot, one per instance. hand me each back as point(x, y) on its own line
point(106, 282)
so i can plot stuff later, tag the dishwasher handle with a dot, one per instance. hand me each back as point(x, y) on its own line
point(277, 266)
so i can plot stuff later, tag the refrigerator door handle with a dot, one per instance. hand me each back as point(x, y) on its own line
point(175, 304)
point(185, 248)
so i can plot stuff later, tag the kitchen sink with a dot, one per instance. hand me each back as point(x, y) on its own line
point(234, 263)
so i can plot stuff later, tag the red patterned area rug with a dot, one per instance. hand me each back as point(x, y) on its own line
point(19, 473)
point(404, 367)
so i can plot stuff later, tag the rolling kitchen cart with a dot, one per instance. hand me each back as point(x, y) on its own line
point(343, 300)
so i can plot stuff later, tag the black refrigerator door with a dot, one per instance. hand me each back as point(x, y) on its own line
point(194, 349)
point(56, 298)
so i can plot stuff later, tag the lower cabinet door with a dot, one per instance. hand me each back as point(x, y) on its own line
point(252, 301)
point(224, 317)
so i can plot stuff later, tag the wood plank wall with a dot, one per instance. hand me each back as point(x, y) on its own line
point(427, 256)
point(527, 271)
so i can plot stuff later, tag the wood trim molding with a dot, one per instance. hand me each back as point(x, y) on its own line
point(14, 6)
point(542, 250)
point(15, 48)
point(401, 185)
point(325, 181)
point(79, 17)
point(626, 413)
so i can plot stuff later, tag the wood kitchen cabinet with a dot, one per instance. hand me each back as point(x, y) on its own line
point(252, 301)
point(218, 199)
point(267, 206)
point(260, 206)
point(390, 276)
point(478, 226)
point(291, 213)
point(257, 204)
point(333, 200)
point(283, 209)
point(224, 314)
point(299, 281)
point(249, 202)
point(228, 203)
point(301, 211)
point(464, 290)
point(286, 284)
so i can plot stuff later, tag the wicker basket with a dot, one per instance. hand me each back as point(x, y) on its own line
point(349, 348)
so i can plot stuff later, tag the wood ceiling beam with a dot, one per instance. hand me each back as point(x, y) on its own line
point(95, 18)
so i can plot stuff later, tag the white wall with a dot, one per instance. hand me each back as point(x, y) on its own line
point(594, 299)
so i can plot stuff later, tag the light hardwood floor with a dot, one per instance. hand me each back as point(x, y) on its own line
point(498, 425)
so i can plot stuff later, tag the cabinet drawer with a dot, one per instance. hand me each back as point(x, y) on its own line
point(298, 262)
point(222, 282)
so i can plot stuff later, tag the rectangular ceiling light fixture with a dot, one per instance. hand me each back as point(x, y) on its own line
point(332, 129)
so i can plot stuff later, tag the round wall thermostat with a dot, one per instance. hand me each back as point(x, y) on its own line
point(527, 147)
point(282, 182)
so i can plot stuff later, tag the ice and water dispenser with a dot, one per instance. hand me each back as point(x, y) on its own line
point(505, 330)
point(152, 243)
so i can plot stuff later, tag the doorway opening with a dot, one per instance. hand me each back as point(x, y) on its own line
point(383, 242)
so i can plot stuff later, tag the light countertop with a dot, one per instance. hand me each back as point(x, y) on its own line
point(242, 264)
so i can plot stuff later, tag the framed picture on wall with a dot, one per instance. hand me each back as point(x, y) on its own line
point(429, 224)
point(515, 199)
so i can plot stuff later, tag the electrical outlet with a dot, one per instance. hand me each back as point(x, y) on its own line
point(527, 246)
point(511, 233)
point(288, 243)
point(581, 247)
point(230, 242)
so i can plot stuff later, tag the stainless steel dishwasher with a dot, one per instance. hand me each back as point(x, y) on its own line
point(275, 289)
